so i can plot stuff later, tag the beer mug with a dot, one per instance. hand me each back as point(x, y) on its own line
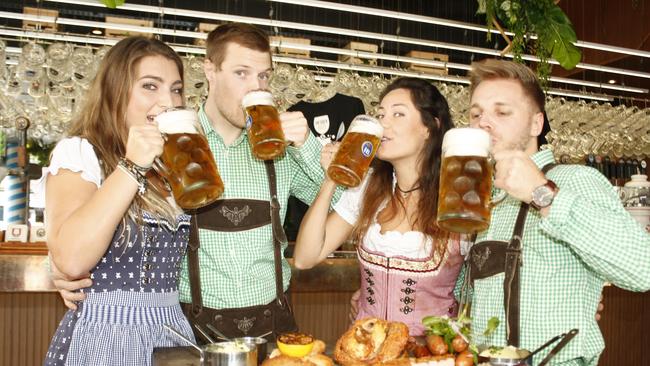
point(187, 164)
point(358, 148)
point(263, 124)
point(465, 181)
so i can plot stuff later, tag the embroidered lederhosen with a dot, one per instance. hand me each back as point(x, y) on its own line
point(232, 215)
point(491, 257)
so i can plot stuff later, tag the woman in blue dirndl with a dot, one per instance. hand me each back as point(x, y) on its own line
point(105, 218)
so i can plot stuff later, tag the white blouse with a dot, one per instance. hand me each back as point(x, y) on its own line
point(411, 244)
point(77, 155)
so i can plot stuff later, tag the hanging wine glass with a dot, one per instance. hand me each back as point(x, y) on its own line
point(3, 59)
point(58, 61)
point(83, 66)
point(32, 60)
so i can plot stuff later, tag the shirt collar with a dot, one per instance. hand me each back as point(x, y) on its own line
point(206, 124)
point(543, 157)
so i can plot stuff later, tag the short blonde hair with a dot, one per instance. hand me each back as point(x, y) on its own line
point(490, 69)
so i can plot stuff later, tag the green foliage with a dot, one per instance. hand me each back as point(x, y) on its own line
point(543, 18)
point(113, 3)
point(3, 144)
point(492, 325)
point(39, 151)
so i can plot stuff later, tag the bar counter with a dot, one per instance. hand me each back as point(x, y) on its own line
point(31, 309)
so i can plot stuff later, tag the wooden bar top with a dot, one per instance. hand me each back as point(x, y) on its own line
point(27, 272)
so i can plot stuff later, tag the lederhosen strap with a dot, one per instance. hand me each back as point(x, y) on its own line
point(279, 236)
point(492, 257)
point(512, 280)
point(237, 215)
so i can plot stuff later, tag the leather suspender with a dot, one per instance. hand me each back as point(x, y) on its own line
point(279, 237)
point(512, 279)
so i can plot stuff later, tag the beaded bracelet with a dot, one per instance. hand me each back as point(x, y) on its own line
point(136, 172)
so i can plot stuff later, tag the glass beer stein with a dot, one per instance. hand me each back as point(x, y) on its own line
point(187, 164)
point(465, 181)
point(358, 148)
point(263, 124)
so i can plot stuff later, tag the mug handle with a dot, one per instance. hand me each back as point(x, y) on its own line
point(162, 171)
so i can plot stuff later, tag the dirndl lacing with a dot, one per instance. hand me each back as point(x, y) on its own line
point(123, 328)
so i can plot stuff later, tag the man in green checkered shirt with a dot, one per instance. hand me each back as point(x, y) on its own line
point(237, 268)
point(576, 236)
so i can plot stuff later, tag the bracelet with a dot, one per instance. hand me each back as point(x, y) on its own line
point(131, 165)
point(130, 169)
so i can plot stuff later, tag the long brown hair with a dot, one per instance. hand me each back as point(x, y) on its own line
point(102, 119)
point(434, 112)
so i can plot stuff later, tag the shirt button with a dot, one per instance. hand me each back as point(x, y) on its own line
point(147, 266)
point(146, 280)
point(148, 253)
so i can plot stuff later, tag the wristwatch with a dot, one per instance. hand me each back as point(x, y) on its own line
point(543, 195)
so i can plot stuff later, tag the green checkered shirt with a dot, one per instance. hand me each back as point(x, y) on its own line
point(587, 239)
point(237, 268)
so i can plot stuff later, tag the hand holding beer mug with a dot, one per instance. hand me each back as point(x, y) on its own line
point(465, 181)
point(186, 163)
point(358, 148)
point(263, 124)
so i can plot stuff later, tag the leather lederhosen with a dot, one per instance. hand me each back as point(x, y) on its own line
point(232, 215)
point(488, 258)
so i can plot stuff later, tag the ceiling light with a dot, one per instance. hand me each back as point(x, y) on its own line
point(388, 71)
point(97, 32)
point(443, 22)
point(611, 81)
point(337, 31)
point(331, 50)
point(366, 68)
point(572, 94)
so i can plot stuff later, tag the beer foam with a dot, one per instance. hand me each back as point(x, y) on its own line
point(258, 97)
point(177, 121)
point(366, 124)
point(466, 141)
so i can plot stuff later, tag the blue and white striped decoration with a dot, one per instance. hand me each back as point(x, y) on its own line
point(15, 189)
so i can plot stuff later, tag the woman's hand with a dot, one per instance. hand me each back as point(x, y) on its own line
point(144, 144)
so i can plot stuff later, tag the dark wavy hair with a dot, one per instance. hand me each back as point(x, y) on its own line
point(434, 112)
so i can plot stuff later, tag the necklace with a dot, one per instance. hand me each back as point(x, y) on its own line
point(406, 192)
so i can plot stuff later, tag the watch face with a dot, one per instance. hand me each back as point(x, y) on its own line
point(543, 196)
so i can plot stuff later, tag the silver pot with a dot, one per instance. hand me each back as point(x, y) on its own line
point(223, 353)
point(256, 342)
point(229, 354)
point(528, 356)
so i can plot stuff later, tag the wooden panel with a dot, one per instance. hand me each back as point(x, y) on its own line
point(27, 323)
point(625, 322)
point(322, 314)
point(42, 26)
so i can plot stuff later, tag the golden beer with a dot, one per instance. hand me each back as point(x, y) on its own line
point(263, 124)
point(465, 181)
point(187, 164)
point(358, 148)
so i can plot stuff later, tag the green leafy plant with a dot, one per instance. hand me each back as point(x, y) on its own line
point(539, 26)
point(113, 3)
point(39, 151)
